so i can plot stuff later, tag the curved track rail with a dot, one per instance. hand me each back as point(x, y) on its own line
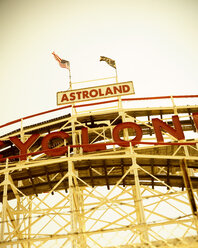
point(144, 166)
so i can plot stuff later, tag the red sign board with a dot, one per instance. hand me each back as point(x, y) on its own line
point(158, 126)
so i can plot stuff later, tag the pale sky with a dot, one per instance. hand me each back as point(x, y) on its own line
point(154, 44)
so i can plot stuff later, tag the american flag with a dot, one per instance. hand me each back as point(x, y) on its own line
point(62, 62)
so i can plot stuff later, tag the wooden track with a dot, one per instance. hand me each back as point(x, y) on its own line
point(93, 168)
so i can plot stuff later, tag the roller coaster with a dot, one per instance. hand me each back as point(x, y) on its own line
point(104, 174)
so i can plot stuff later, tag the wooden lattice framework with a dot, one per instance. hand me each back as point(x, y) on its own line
point(138, 196)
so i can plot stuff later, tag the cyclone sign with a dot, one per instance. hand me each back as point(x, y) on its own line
point(94, 93)
point(158, 125)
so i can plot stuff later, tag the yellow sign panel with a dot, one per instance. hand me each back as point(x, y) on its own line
point(94, 93)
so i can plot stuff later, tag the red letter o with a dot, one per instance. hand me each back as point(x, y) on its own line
point(119, 127)
point(93, 93)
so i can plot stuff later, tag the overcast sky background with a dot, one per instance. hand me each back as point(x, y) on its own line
point(154, 44)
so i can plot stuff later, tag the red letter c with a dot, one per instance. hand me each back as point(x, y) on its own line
point(46, 140)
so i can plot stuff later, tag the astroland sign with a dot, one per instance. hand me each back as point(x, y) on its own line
point(94, 93)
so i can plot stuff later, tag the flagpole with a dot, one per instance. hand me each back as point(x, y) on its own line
point(116, 75)
point(64, 64)
point(70, 84)
point(110, 62)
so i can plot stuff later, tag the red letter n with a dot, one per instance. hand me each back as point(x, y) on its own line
point(176, 132)
point(195, 118)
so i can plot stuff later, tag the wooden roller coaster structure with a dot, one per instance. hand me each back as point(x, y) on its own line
point(87, 189)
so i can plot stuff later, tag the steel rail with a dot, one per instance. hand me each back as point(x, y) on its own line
point(96, 103)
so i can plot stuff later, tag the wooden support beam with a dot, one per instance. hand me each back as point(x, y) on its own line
point(168, 173)
point(152, 172)
point(191, 121)
point(106, 175)
point(188, 186)
point(161, 115)
point(4, 204)
point(91, 176)
point(32, 181)
point(122, 169)
point(63, 174)
point(149, 123)
point(48, 179)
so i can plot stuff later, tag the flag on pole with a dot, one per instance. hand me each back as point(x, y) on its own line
point(109, 61)
point(62, 62)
